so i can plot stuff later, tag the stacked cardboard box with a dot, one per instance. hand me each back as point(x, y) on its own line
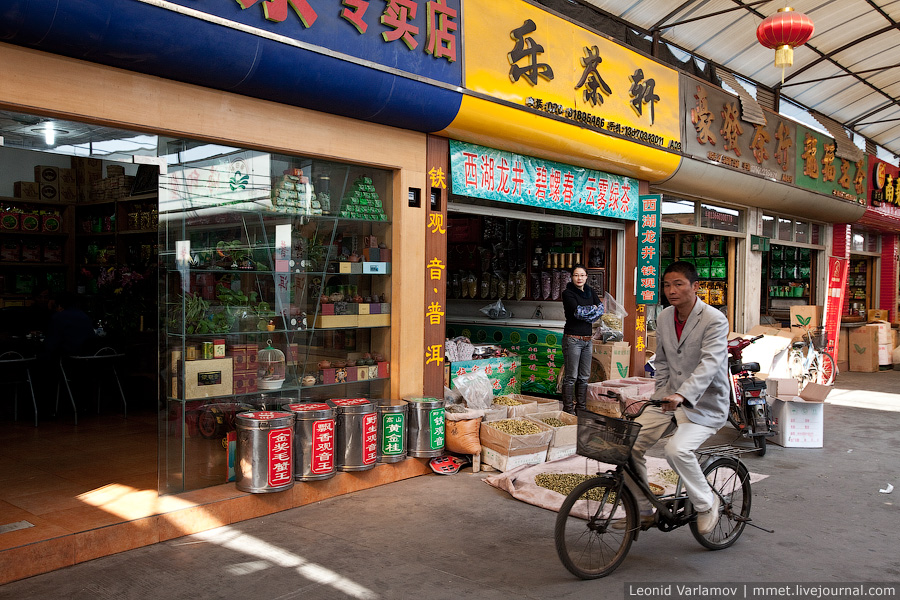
point(87, 171)
point(863, 349)
point(244, 358)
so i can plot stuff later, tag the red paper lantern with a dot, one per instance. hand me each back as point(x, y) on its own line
point(784, 31)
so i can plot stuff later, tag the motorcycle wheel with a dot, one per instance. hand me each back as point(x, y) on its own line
point(760, 442)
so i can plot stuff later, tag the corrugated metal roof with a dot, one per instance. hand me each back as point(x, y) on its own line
point(849, 71)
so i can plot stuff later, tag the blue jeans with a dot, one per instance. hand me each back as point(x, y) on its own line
point(577, 355)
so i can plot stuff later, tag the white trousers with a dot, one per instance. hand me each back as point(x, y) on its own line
point(679, 453)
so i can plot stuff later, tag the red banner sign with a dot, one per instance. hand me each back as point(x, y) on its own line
point(834, 303)
point(281, 452)
point(322, 446)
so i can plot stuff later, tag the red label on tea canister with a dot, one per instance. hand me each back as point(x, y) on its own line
point(281, 462)
point(370, 439)
point(322, 447)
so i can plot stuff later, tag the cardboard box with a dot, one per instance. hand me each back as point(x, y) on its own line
point(337, 321)
point(352, 268)
point(884, 355)
point(362, 373)
point(557, 452)
point(504, 451)
point(50, 193)
point(527, 406)
point(374, 320)
point(502, 462)
point(208, 378)
point(614, 359)
point(46, 175)
point(376, 268)
point(562, 436)
point(776, 386)
point(876, 314)
point(805, 316)
point(800, 420)
point(27, 190)
point(863, 349)
point(843, 354)
point(884, 331)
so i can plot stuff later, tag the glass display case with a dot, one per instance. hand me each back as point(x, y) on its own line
point(276, 276)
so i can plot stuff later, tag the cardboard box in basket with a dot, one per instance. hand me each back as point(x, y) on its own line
point(799, 420)
point(863, 349)
point(504, 451)
point(613, 358)
point(562, 443)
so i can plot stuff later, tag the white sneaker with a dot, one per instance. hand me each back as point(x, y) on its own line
point(706, 520)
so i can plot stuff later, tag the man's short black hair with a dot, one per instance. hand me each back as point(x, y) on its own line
point(685, 268)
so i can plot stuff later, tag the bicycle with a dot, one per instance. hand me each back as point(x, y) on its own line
point(588, 544)
point(815, 365)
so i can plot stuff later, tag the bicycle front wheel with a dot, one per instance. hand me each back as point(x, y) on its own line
point(729, 479)
point(588, 543)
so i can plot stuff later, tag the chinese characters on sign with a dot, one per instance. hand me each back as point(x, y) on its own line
point(834, 302)
point(649, 227)
point(281, 452)
point(506, 177)
point(435, 267)
point(392, 434)
point(322, 447)
point(885, 184)
point(436, 419)
point(597, 81)
point(396, 17)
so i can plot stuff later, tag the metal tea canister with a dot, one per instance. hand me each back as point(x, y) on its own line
point(391, 430)
point(357, 434)
point(207, 351)
point(265, 451)
point(314, 440)
point(426, 429)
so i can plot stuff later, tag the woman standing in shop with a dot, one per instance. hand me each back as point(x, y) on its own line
point(582, 307)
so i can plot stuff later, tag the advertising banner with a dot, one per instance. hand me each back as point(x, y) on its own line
point(498, 175)
point(834, 302)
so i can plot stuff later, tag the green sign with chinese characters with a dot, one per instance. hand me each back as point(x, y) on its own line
point(393, 434)
point(649, 231)
point(436, 418)
point(498, 175)
point(819, 169)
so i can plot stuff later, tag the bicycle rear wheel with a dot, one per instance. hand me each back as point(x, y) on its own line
point(587, 544)
point(729, 479)
point(823, 369)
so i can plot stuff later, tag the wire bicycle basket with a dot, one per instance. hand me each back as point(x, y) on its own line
point(818, 336)
point(604, 438)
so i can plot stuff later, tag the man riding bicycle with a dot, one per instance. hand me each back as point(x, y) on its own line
point(692, 379)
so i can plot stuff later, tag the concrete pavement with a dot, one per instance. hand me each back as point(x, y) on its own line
point(439, 537)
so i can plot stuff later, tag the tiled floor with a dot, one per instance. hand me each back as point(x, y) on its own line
point(91, 490)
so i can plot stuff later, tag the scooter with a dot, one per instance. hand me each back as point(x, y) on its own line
point(749, 412)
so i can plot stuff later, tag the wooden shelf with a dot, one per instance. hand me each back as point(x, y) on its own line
point(37, 233)
point(59, 265)
point(37, 202)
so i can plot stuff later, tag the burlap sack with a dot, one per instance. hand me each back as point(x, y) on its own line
point(462, 436)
